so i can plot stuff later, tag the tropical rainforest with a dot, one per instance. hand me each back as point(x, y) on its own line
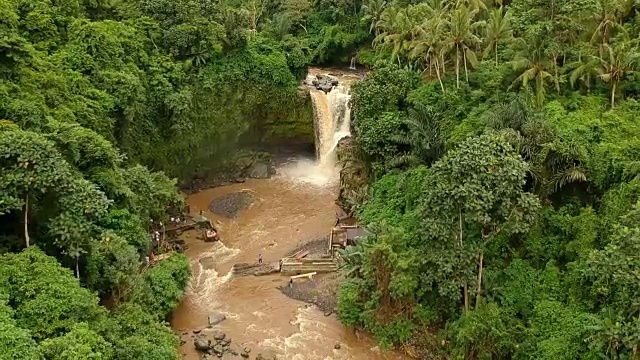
point(502, 144)
point(500, 139)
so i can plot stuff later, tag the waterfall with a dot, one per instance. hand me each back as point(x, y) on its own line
point(332, 117)
point(352, 66)
point(332, 121)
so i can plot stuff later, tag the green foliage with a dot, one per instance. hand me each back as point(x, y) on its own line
point(44, 313)
point(112, 264)
point(46, 298)
point(80, 343)
point(136, 334)
point(377, 101)
point(162, 286)
point(17, 343)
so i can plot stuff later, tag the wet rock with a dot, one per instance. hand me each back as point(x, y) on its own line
point(240, 180)
point(219, 335)
point(207, 263)
point(216, 318)
point(218, 349)
point(259, 170)
point(233, 350)
point(232, 204)
point(266, 270)
point(326, 87)
point(245, 352)
point(324, 82)
point(337, 346)
point(197, 331)
point(201, 345)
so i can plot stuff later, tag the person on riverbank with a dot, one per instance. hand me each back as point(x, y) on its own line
point(290, 283)
point(260, 259)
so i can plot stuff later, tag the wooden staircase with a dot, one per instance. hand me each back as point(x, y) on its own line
point(293, 266)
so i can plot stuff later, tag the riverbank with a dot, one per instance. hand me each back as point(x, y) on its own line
point(322, 289)
point(284, 215)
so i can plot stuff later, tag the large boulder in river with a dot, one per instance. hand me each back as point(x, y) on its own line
point(325, 82)
point(201, 344)
point(219, 335)
point(259, 170)
point(216, 318)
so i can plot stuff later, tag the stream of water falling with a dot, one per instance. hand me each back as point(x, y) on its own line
point(295, 206)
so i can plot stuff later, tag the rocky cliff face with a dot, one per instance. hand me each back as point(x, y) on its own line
point(354, 176)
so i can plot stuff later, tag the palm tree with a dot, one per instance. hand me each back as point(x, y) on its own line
point(461, 39)
point(524, 125)
point(427, 46)
point(423, 137)
point(612, 65)
point(558, 164)
point(608, 16)
point(533, 65)
point(372, 10)
point(352, 257)
point(617, 62)
point(475, 5)
point(393, 34)
point(498, 30)
point(400, 29)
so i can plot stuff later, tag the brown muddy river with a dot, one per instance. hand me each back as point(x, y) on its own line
point(294, 207)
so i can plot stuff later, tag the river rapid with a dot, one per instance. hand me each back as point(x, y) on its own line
point(290, 209)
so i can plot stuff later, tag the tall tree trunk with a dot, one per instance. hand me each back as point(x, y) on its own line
point(465, 286)
point(496, 52)
point(26, 220)
point(457, 67)
point(480, 268)
point(439, 78)
point(77, 269)
point(464, 59)
point(539, 89)
point(613, 94)
point(555, 67)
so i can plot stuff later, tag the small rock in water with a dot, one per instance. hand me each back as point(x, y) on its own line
point(225, 342)
point(215, 319)
point(219, 335)
point(244, 354)
point(201, 345)
point(337, 346)
point(328, 313)
point(233, 350)
point(197, 331)
point(218, 349)
point(247, 350)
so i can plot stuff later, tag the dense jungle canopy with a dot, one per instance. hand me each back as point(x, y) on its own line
point(501, 140)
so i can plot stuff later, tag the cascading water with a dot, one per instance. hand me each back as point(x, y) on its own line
point(332, 117)
point(332, 122)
